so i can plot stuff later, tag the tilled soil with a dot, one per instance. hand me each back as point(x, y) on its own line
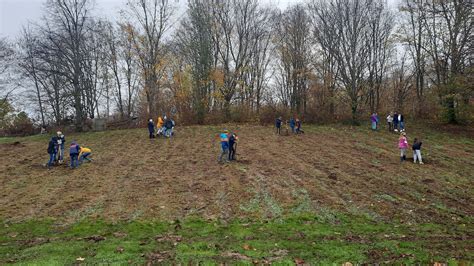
point(337, 168)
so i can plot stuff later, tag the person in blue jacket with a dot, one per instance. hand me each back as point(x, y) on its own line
point(278, 125)
point(151, 128)
point(292, 125)
point(224, 139)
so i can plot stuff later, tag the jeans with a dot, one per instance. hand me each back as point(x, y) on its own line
point(152, 135)
point(84, 157)
point(402, 125)
point(169, 132)
point(417, 154)
point(52, 157)
point(74, 161)
point(224, 154)
point(395, 125)
point(390, 126)
point(61, 156)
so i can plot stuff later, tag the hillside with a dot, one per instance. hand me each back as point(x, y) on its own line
point(329, 172)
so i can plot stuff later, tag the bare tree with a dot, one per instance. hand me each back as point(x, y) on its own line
point(153, 18)
point(414, 37)
point(343, 29)
point(294, 52)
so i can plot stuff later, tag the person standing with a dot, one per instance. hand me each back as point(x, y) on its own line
point(395, 122)
point(51, 152)
point(292, 125)
point(417, 151)
point(403, 146)
point(401, 122)
point(74, 149)
point(169, 123)
point(278, 125)
point(373, 120)
point(390, 122)
point(224, 140)
point(151, 128)
point(61, 139)
point(233, 138)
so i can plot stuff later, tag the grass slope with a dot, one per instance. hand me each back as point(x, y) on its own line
point(334, 194)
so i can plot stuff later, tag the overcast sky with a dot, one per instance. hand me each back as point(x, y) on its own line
point(16, 13)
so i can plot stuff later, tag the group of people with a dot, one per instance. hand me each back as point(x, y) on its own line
point(403, 146)
point(56, 147)
point(294, 123)
point(164, 127)
point(395, 122)
point(228, 142)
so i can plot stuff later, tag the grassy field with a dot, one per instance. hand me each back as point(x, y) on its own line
point(332, 195)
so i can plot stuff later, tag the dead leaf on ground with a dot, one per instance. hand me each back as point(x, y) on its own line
point(299, 261)
point(80, 259)
point(119, 250)
point(246, 247)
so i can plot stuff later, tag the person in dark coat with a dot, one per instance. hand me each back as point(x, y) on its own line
point(232, 146)
point(278, 125)
point(151, 128)
point(52, 152)
point(395, 121)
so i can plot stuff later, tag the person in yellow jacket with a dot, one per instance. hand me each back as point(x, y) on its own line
point(159, 126)
point(84, 153)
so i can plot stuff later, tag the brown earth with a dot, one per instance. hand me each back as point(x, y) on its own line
point(337, 168)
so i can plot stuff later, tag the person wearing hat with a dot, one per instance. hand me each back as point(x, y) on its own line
point(403, 146)
point(224, 139)
point(61, 139)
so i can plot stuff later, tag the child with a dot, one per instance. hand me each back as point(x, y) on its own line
point(74, 153)
point(61, 140)
point(232, 146)
point(373, 120)
point(417, 150)
point(159, 126)
point(278, 125)
point(292, 125)
point(390, 122)
point(83, 154)
point(51, 152)
point(403, 145)
point(224, 138)
point(151, 128)
point(298, 126)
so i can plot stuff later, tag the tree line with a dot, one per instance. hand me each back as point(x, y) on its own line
point(244, 60)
